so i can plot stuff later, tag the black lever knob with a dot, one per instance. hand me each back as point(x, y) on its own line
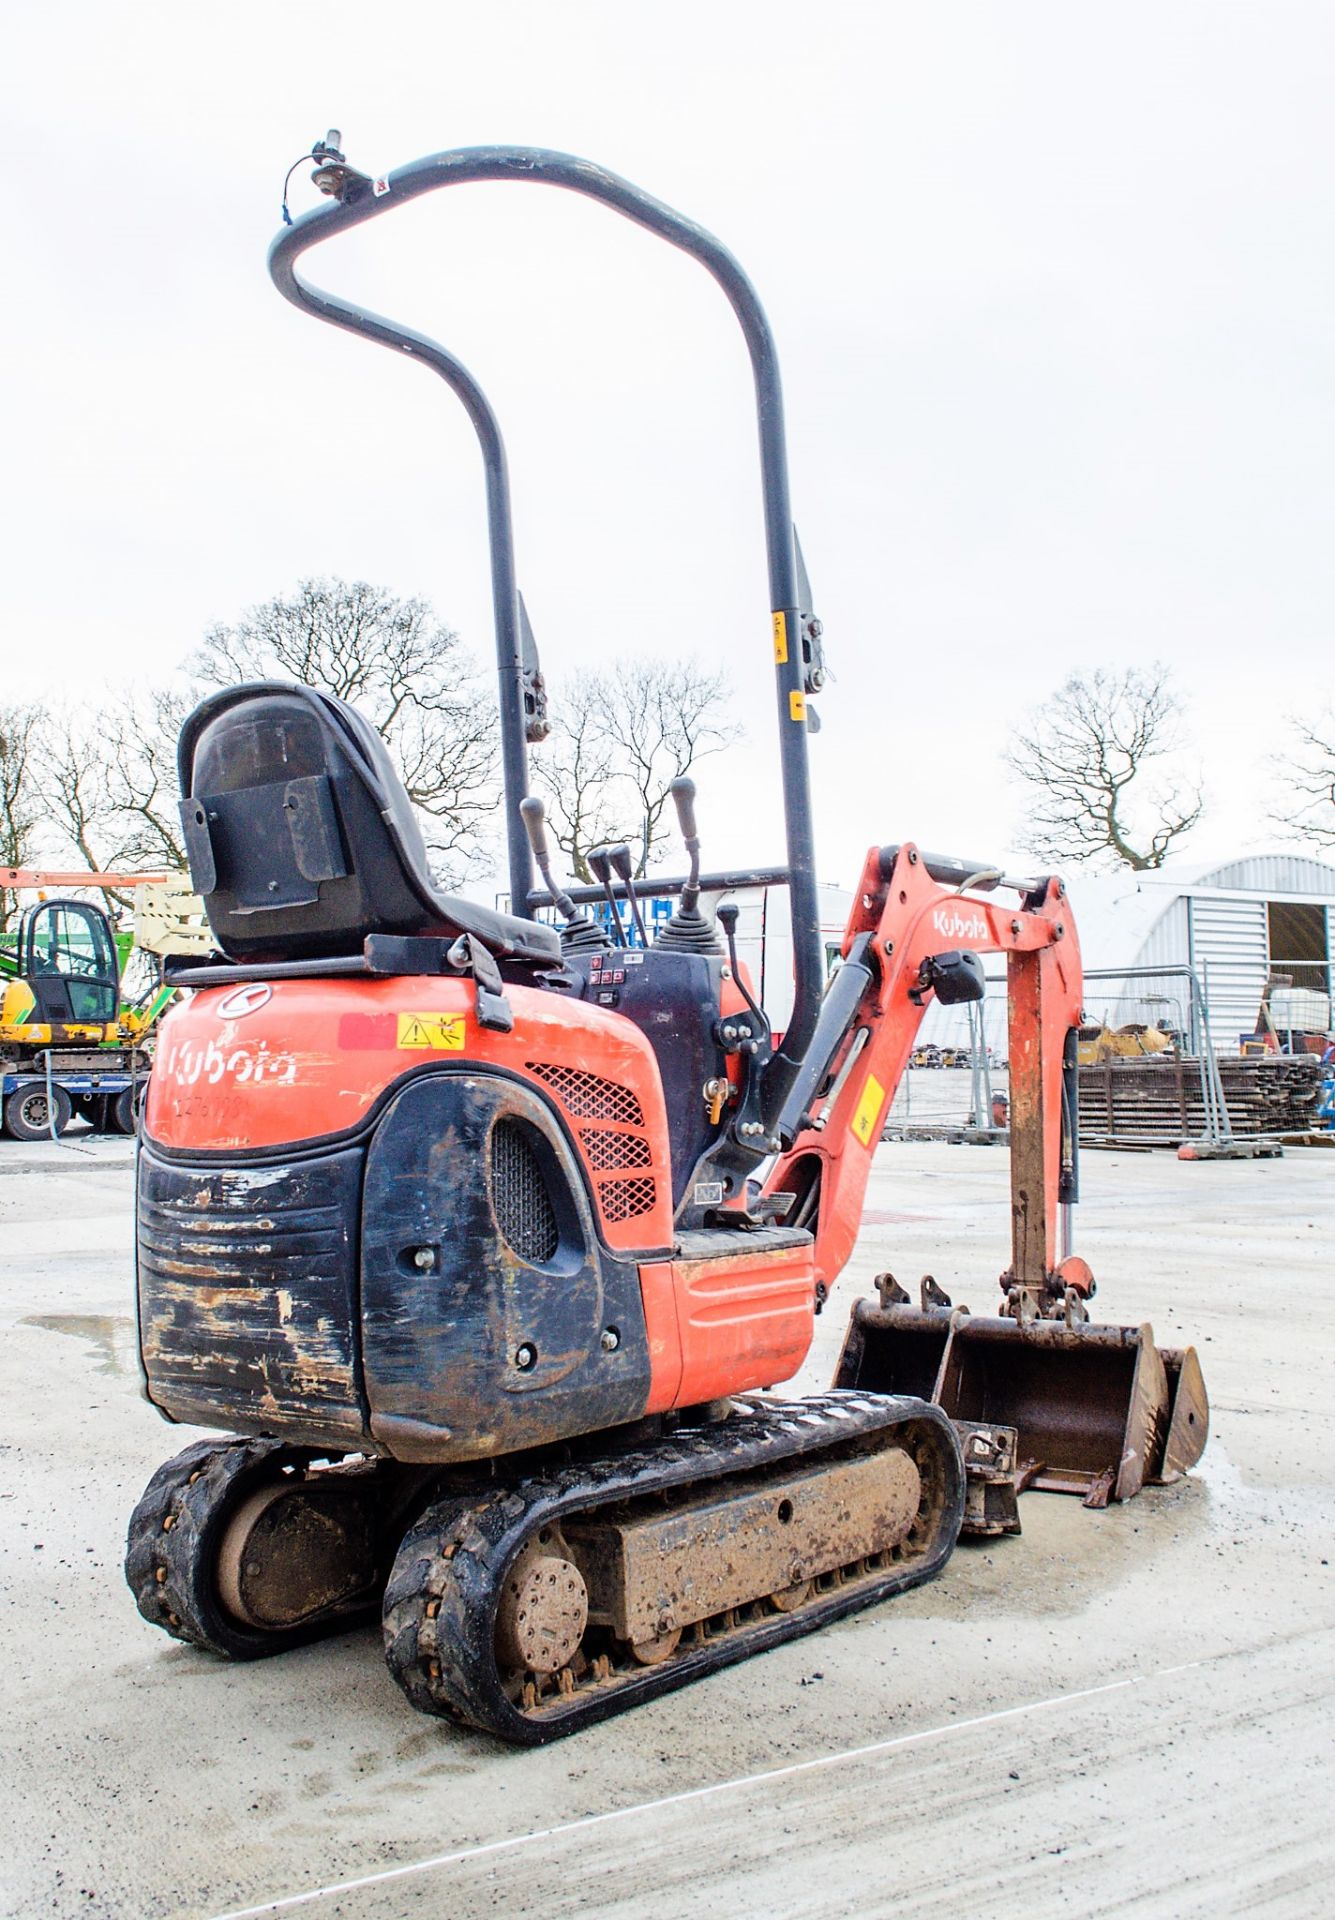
point(535, 816)
point(683, 798)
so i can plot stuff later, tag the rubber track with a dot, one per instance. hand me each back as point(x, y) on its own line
point(173, 1540)
point(441, 1599)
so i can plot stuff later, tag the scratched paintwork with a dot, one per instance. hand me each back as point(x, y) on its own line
point(295, 1299)
point(247, 1294)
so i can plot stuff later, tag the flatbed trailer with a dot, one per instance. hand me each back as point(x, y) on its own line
point(103, 1085)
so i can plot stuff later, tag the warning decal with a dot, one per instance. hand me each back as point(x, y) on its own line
point(780, 640)
point(439, 1032)
point(869, 1110)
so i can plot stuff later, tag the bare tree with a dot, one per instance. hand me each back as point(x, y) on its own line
point(1307, 772)
point(107, 776)
point(1089, 756)
point(619, 739)
point(108, 781)
point(20, 807)
point(408, 674)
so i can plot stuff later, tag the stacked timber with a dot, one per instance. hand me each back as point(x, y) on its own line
point(1158, 1102)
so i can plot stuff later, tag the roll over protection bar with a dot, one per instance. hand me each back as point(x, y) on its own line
point(360, 199)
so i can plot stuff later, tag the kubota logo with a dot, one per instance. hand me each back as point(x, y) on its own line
point(246, 1000)
point(187, 1062)
point(954, 925)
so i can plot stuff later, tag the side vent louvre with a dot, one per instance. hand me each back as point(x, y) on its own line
point(608, 1150)
point(586, 1096)
point(519, 1196)
point(623, 1199)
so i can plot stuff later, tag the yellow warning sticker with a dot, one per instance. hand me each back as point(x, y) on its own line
point(869, 1110)
point(780, 639)
point(797, 706)
point(432, 1032)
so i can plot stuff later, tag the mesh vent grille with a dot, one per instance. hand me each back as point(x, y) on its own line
point(606, 1149)
point(588, 1097)
point(519, 1195)
point(623, 1199)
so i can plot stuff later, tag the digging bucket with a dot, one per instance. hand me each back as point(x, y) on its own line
point(1098, 1410)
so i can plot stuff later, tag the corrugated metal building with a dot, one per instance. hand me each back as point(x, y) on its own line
point(1264, 921)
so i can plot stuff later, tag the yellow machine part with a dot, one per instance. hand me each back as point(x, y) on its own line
point(169, 918)
point(16, 1005)
point(18, 1028)
point(1127, 1043)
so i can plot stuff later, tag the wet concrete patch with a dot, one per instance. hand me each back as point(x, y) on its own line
point(109, 1334)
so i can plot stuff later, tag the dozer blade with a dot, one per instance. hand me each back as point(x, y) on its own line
point(1097, 1410)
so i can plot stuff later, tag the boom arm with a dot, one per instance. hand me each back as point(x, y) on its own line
point(901, 918)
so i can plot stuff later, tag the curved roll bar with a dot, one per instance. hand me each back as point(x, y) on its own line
point(359, 199)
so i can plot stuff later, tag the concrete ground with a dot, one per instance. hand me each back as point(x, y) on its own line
point(1124, 1712)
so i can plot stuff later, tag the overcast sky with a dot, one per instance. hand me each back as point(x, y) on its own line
point(1052, 287)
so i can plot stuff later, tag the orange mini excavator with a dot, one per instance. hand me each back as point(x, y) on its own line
point(487, 1242)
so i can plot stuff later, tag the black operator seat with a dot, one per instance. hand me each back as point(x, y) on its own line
point(302, 839)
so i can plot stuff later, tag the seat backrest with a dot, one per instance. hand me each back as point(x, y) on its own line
point(302, 839)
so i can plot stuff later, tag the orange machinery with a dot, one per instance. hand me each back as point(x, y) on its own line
point(489, 1243)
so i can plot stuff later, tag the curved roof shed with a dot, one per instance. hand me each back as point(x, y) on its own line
point(1239, 924)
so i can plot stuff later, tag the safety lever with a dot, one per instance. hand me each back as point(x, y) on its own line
point(753, 1040)
point(728, 915)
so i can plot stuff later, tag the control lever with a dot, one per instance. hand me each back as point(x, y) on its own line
point(621, 866)
point(535, 824)
point(580, 931)
point(683, 798)
point(600, 866)
point(688, 931)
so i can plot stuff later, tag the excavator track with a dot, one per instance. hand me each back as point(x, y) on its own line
point(247, 1548)
point(588, 1588)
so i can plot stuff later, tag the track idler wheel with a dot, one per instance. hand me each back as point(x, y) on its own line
point(543, 1611)
point(246, 1549)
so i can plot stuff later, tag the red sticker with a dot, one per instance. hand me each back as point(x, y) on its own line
point(368, 1032)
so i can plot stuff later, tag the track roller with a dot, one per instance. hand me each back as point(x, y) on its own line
point(581, 1591)
point(248, 1547)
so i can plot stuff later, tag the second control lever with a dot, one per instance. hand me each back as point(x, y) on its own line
point(600, 866)
point(622, 865)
